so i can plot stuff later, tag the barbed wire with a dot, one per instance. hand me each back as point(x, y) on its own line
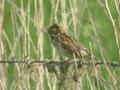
point(57, 62)
point(55, 66)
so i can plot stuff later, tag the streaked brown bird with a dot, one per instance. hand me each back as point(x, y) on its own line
point(67, 47)
point(65, 44)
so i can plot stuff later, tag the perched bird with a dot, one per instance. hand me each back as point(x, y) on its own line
point(67, 47)
point(65, 44)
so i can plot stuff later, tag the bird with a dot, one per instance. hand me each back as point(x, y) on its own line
point(65, 44)
point(69, 47)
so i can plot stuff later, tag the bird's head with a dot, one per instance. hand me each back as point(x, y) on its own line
point(54, 30)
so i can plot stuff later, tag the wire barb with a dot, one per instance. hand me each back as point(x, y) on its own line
point(56, 62)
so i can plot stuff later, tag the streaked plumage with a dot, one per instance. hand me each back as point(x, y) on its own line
point(65, 44)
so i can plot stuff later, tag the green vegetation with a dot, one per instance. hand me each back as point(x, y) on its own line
point(89, 21)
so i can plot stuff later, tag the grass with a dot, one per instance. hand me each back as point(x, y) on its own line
point(88, 21)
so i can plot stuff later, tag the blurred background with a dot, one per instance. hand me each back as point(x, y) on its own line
point(94, 23)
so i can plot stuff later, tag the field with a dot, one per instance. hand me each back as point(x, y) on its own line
point(26, 52)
